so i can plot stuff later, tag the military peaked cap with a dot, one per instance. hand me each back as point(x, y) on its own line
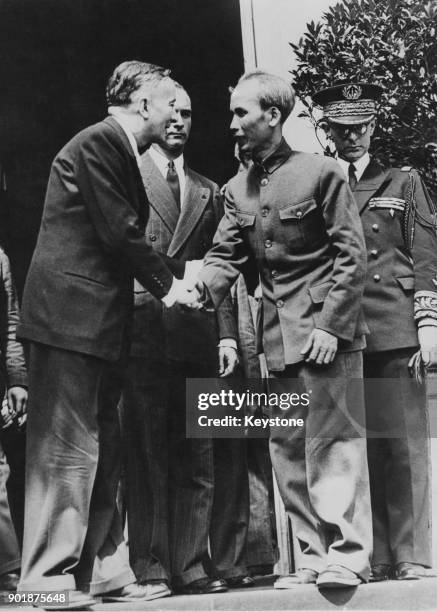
point(349, 103)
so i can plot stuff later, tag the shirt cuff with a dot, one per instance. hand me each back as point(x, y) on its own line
point(229, 342)
point(425, 306)
point(170, 298)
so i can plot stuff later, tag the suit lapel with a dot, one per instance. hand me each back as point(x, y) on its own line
point(374, 177)
point(159, 194)
point(195, 199)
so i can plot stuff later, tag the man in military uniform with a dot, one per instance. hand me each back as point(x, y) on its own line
point(400, 306)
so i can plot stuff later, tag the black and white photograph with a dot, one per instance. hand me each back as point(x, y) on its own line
point(218, 317)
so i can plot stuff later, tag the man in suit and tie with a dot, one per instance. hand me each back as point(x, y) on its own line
point(290, 219)
point(400, 307)
point(172, 480)
point(76, 316)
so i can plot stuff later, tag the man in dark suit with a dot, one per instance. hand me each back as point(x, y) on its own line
point(172, 480)
point(76, 315)
point(290, 218)
point(400, 307)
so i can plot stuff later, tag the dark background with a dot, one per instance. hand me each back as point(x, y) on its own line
point(56, 56)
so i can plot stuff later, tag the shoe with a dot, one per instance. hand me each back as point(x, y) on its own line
point(203, 586)
point(9, 582)
point(157, 589)
point(137, 592)
point(337, 576)
point(412, 571)
point(301, 576)
point(77, 600)
point(238, 582)
point(380, 572)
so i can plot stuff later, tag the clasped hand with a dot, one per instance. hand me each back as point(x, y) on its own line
point(187, 292)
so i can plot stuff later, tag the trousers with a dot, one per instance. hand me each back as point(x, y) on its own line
point(72, 529)
point(322, 470)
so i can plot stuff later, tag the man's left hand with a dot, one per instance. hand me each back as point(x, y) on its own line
point(17, 400)
point(228, 360)
point(320, 348)
point(428, 345)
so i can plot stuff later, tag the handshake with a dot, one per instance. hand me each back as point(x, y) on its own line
point(189, 291)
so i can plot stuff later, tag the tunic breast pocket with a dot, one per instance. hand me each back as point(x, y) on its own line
point(389, 215)
point(302, 224)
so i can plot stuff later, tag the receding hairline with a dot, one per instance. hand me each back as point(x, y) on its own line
point(271, 91)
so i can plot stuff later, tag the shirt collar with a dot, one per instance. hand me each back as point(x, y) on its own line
point(162, 161)
point(273, 161)
point(360, 165)
point(133, 143)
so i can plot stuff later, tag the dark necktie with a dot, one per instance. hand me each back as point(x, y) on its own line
point(173, 183)
point(352, 177)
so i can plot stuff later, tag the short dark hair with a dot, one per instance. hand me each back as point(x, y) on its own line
point(128, 77)
point(274, 91)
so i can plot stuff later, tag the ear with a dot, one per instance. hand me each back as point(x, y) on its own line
point(275, 116)
point(324, 125)
point(144, 108)
point(372, 127)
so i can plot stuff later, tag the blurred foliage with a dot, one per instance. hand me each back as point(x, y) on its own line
point(389, 42)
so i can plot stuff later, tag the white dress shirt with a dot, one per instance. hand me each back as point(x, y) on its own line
point(360, 165)
point(161, 162)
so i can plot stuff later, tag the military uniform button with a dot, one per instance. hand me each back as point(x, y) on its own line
point(376, 278)
point(152, 237)
point(265, 212)
point(264, 181)
point(268, 244)
point(299, 214)
point(279, 303)
point(274, 273)
point(374, 253)
point(375, 227)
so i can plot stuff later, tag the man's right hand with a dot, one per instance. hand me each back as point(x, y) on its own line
point(181, 294)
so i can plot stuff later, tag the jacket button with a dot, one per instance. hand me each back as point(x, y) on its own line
point(268, 244)
point(374, 253)
point(299, 214)
point(279, 304)
point(152, 237)
point(375, 227)
point(274, 273)
point(265, 212)
point(376, 278)
point(264, 181)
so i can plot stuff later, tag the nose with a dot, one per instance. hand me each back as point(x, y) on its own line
point(176, 118)
point(234, 125)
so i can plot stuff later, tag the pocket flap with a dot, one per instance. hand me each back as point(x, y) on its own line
point(318, 293)
point(245, 219)
point(297, 211)
point(406, 282)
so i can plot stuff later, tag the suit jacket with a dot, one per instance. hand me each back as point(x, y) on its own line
point(175, 333)
point(394, 271)
point(78, 293)
point(294, 222)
